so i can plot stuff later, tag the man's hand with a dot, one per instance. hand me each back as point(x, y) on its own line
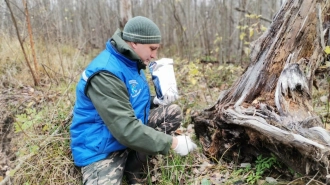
point(167, 99)
point(184, 145)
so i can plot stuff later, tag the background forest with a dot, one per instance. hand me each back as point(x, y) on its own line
point(45, 45)
point(218, 29)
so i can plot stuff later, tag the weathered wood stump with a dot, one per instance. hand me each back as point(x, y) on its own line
point(269, 108)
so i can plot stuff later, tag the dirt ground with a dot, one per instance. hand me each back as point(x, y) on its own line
point(12, 102)
point(6, 132)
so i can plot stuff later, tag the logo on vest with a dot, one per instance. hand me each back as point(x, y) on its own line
point(133, 88)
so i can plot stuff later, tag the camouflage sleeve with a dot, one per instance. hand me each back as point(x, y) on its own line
point(110, 98)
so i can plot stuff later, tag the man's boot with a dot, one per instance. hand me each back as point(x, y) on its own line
point(135, 168)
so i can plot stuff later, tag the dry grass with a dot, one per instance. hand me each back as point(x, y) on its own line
point(42, 115)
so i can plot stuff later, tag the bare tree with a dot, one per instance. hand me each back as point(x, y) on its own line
point(125, 12)
point(28, 23)
point(33, 73)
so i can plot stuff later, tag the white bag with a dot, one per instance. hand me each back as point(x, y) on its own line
point(163, 77)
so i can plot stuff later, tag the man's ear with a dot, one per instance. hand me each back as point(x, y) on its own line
point(134, 45)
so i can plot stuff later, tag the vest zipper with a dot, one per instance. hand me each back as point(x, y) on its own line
point(145, 108)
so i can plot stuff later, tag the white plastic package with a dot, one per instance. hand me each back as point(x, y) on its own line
point(163, 77)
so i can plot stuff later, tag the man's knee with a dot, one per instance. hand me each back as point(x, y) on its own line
point(175, 111)
point(107, 171)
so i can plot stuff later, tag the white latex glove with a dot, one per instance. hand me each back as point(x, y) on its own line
point(185, 145)
point(168, 98)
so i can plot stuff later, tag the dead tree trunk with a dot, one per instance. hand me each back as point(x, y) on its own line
point(269, 109)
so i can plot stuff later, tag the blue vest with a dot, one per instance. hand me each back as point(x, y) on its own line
point(91, 140)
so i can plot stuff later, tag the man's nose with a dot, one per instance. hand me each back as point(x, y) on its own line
point(154, 55)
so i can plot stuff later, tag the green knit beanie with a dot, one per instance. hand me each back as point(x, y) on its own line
point(141, 30)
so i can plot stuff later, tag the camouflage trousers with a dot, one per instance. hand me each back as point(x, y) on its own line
point(111, 169)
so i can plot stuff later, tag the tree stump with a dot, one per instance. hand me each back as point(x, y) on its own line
point(268, 110)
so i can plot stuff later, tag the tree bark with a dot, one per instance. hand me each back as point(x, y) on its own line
point(125, 12)
point(34, 76)
point(269, 108)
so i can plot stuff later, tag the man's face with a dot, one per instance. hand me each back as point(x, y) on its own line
point(146, 52)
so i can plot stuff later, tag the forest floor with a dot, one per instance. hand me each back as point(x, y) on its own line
point(15, 101)
point(52, 161)
point(7, 154)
